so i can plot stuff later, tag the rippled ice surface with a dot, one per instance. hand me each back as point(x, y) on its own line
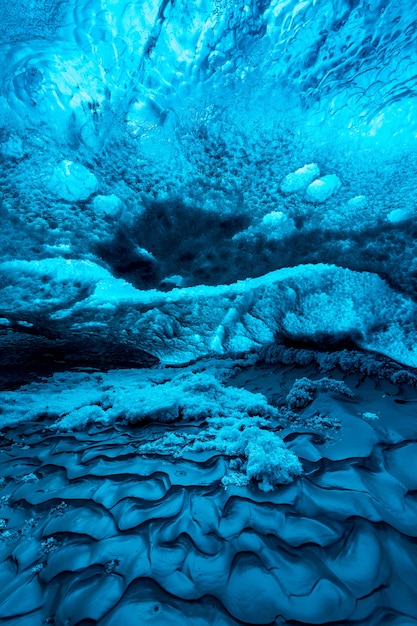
point(95, 531)
point(208, 336)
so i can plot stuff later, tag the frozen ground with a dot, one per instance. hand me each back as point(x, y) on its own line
point(108, 525)
point(208, 336)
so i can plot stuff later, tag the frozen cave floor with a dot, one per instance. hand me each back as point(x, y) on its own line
point(105, 523)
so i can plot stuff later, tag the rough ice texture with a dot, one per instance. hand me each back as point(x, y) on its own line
point(72, 181)
point(12, 148)
point(312, 301)
point(70, 78)
point(237, 421)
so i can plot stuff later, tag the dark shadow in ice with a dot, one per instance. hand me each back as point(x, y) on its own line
point(173, 238)
point(26, 357)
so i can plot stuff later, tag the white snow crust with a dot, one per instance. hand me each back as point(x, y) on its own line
point(309, 301)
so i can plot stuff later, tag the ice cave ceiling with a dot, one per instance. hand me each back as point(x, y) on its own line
point(152, 141)
point(208, 312)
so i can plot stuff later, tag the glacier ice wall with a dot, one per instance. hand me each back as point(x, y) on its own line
point(208, 312)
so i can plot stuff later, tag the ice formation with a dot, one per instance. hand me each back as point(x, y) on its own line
point(322, 189)
point(72, 181)
point(208, 336)
point(300, 179)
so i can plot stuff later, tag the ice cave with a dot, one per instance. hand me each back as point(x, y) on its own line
point(208, 312)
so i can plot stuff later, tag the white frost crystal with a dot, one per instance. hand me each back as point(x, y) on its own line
point(72, 181)
point(321, 189)
point(298, 180)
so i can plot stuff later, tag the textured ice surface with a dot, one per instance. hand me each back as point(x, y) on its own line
point(72, 181)
point(311, 302)
point(97, 527)
point(207, 264)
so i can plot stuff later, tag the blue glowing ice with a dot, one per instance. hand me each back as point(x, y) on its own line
point(208, 324)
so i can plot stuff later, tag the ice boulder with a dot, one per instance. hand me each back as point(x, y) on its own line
point(277, 225)
point(321, 189)
point(72, 181)
point(399, 215)
point(107, 206)
point(298, 180)
point(358, 202)
point(274, 226)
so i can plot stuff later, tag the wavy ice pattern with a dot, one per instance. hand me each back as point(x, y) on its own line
point(93, 531)
point(208, 313)
point(93, 61)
